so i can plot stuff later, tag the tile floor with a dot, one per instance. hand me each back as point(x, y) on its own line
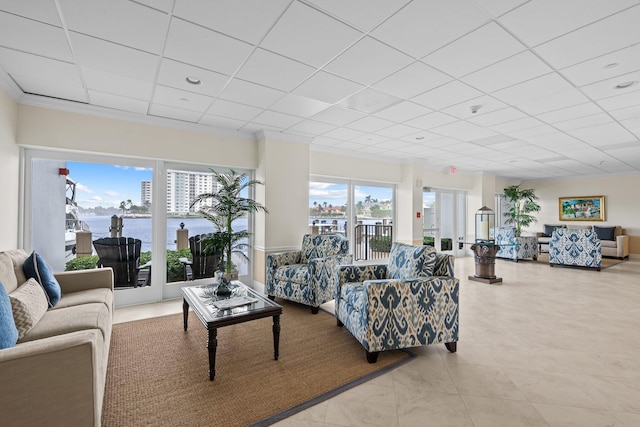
point(549, 347)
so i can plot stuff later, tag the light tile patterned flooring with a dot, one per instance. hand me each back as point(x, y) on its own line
point(549, 347)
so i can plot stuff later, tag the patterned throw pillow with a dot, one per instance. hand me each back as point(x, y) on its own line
point(8, 330)
point(406, 261)
point(35, 267)
point(29, 303)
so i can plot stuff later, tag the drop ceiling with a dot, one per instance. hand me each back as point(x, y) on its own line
point(518, 89)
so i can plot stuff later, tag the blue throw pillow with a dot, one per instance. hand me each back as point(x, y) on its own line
point(605, 233)
point(35, 267)
point(8, 330)
point(549, 229)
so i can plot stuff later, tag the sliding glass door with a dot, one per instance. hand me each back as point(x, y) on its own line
point(444, 213)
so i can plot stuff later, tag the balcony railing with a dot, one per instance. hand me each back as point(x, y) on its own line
point(372, 241)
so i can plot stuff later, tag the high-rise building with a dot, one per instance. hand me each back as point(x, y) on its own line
point(183, 187)
point(145, 192)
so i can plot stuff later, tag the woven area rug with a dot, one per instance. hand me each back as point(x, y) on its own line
point(606, 262)
point(158, 374)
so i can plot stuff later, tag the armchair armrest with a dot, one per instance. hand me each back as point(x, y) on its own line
point(80, 280)
point(360, 273)
point(622, 241)
point(283, 258)
point(323, 277)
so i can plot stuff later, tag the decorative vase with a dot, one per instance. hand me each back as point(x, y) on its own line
point(223, 288)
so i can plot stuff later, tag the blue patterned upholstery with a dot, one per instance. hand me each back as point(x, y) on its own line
point(308, 276)
point(513, 247)
point(575, 247)
point(385, 313)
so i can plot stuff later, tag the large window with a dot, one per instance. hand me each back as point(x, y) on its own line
point(444, 213)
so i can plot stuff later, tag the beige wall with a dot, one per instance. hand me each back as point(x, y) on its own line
point(621, 203)
point(10, 166)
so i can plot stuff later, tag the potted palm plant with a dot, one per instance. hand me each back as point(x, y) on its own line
point(521, 203)
point(222, 207)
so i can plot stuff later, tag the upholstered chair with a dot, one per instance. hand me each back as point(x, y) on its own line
point(411, 301)
point(577, 247)
point(512, 247)
point(307, 276)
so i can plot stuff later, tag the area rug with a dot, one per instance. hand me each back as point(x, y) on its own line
point(606, 262)
point(158, 374)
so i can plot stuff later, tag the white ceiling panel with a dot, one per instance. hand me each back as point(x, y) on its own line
point(344, 134)
point(161, 5)
point(431, 120)
point(324, 141)
point(519, 68)
point(250, 94)
point(447, 95)
point(607, 88)
point(582, 122)
point(37, 10)
point(309, 36)
point(474, 107)
point(118, 85)
point(221, 122)
point(604, 67)
point(299, 105)
point(351, 11)
point(67, 86)
point(612, 33)
point(137, 26)
point(178, 98)
point(627, 113)
point(496, 117)
point(412, 80)
point(517, 125)
point(554, 102)
point(327, 87)
point(478, 49)
point(428, 25)
point(370, 124)
point(625, 100)
point(312, 127)
point(117, 102)
point(277, 119)
point(174, 74)
point(397, 131)
point(233, 110)
point(602, 135)
point(368, 61)
point(204, 48)
point(273, 70)
point(577, 111)
point(338, 116)
point(247, 20)
point(463, 131)
point(537, 88)
point(499, 7)
point(30, 35)
point(403, 111)
point(174, 113)
point(370, 139)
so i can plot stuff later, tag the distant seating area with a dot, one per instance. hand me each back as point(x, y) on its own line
point(575, 247)
point(513, 247)
point(614, 243)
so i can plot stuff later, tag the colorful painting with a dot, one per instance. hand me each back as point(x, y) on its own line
point(588, 208)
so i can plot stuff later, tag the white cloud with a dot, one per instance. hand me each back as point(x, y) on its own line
point(111, 193)
point(83, 188)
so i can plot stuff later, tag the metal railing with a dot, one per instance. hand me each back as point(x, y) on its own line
point(372, 241)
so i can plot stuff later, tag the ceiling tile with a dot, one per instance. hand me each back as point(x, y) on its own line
point(605, 134)
point(625, 100)
point(431, 120)
point(344, 134)
point(519, 68)
point(352, 11)
point(412, 80)
point(397, 131)
point(370, 139)
point(485, 46)
point(175, 74)
point(174, 113)
point(113, 58)
point(557, 101)
point(607, 88)
point(369, 101)
point(221, 122)
point(247, 20)
point(273, 70)
point(446, 95)
point(250, 94)
point(327, 87)
point(309, 36)
point(368, 61)
point(312, 127)
point(101, 81)
point(604, 67)
point(276, 119)
point(464, 110)
point(323, 141)
point(463, 130)
point(178, 98)
point(393, 145)
point(68, 86)
point(118, 102)
point(517, 125)
point(370, 124)
point(135, 25)
point(615, 32)
point(338, 116)
point(31, 34)
point(39, 11)
point(403, 111)
point(574, 112)
point(233, 110)
point(582, 122)
point(627, 113)
point(162, 5)
point(299, 105)
point(428, 25)
point(188, 43)
point(537, 88)
point(499, 7)
point(496, 117)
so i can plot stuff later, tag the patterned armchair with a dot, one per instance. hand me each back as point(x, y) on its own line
point(512, 247)
point(575, 247)
point(307, 276)
point(410, 302)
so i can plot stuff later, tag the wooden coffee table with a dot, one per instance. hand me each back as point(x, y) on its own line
point(202, 298)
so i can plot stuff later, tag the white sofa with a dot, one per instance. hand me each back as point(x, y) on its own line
point(55, 375)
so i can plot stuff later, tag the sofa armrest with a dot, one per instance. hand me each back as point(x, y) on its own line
point(360, 273)
point(323, 275)
point(53, 381)
point(283, 258)
point(622, 241)
point(80, 280)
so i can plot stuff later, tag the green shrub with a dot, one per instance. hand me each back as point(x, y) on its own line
point(82, 263)
point(380, 243)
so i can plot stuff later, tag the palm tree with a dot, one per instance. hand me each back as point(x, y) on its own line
point(521, 202)
point(227, 205)
point(125, 205)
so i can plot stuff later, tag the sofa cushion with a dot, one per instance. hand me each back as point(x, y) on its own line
point(17, 256)
point(355, 295)
point(101, 295)
point(35, 267)
point(548, 229)
point(71, 319)
point(29, 304)
point(608, 244)
point(406, 261)
point(605, 233)
point(8, 330)
point(296, 273)
point(7, 275)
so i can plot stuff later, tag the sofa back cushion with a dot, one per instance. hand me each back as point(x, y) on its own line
point(7, 274)
point(548, 229)
point(8, 330)
point(605, 233)
point(35, 268)
point(409, 261)
point(29, 304)
point(323, 245)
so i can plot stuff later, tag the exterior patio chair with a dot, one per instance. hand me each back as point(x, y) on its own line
point(202, 265)
point(122, 254)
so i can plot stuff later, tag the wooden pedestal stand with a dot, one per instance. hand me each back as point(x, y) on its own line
point(485, 258)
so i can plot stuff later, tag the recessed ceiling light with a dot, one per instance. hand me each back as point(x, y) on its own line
point(612, 65)
point(419, 138)
point(626, 84)
point(474, 108)
point(193, 80)
point(184, 99)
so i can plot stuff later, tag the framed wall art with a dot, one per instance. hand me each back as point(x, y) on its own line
point(583, 208)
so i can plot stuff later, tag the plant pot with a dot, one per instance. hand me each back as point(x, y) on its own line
point(231, 276)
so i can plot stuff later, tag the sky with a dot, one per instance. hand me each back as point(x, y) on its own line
point(107, 185)
point(336, 194)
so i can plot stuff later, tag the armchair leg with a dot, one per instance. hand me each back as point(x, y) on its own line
point(314, 310)
point(271, 297)
point(451, 346)
point(340, 324)
point(372, 357)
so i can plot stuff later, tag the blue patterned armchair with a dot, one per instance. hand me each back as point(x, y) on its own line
point(307, 276)
point(410, 302)
point(512, 247)
point(576, 247)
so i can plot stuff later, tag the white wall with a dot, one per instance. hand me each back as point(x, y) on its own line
point(10, 166)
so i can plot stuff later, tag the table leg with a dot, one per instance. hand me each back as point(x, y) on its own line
point(212, 344)
point(185, 313)
point(276, 336)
